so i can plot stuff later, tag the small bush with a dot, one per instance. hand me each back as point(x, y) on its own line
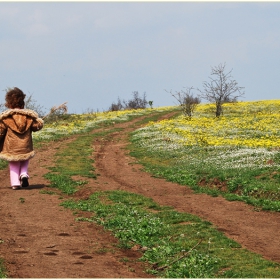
point(187, 101)
point(136, 102)
point(116, 106)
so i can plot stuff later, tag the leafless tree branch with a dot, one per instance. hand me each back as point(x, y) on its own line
point(221, 88)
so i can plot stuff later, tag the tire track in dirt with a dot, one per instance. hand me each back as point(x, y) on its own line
point(256, 231)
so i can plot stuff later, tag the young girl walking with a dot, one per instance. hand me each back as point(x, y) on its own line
point(16, 127)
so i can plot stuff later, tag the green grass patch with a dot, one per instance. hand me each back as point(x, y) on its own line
point(47, 192)
point(2, 269)
point(3, 164)
point(193, 167)
point(176, 245)
point(74, 159)
point(62, 182)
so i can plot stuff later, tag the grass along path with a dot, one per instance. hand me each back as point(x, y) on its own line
point(160, 232)
point(120, 203)
point(41, 240)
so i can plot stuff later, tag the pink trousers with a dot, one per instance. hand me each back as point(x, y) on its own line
point(18, 169)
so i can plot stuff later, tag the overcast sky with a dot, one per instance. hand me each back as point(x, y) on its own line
point(91, 53)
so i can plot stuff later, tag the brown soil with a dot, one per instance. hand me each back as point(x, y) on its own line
point(40, 239)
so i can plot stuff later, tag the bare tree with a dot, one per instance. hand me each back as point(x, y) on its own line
point(57, 111)
point(221, 88)
point(31, 103)
point(187, 101)
point(137, 102)
point(116, 106)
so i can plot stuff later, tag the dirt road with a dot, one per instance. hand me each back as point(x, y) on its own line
point(40, 239)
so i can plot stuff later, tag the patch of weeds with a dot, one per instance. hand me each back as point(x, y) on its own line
point(132, 199)
point(103, 250)
point(131, 269)
point(75, 158)
point(3, 164)
point(2, 269)
point(83, 219)
point(47, 192)
point(195, 265)
point(62, 182)
point(176, 245)
point(22, 199)
point(124, 260)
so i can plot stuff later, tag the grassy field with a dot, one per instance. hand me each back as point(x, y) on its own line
point(236, 156)
point(203, 152)
point(176, 245)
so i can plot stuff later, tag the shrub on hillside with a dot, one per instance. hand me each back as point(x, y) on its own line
point(137, 102)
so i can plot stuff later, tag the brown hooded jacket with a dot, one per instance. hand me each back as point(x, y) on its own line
point(16, 127)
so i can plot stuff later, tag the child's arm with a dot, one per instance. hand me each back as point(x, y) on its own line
point(3, 130)
point(37, 124)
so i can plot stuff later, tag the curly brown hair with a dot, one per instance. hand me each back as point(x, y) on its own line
point(15, 98)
